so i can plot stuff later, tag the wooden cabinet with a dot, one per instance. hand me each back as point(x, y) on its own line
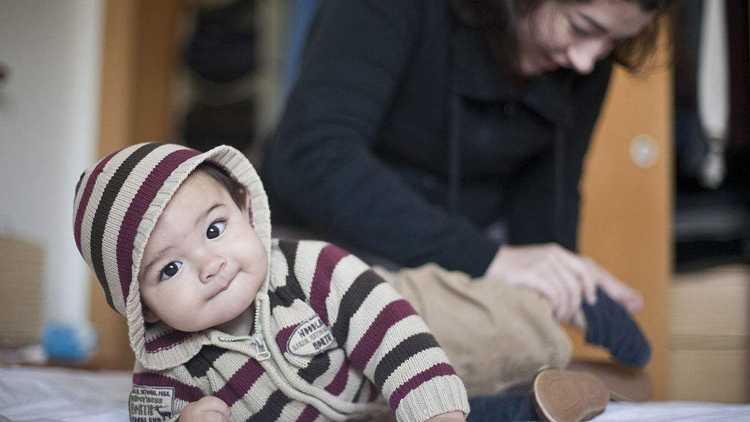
point(139, 54)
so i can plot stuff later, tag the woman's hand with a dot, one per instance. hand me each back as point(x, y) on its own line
point(207, 409)
point(564, 278)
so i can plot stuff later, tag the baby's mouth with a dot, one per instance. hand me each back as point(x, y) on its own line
point(229, 282)
point(226, 285)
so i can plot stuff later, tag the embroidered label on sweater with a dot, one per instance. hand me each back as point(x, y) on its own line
point(310, 338)
point(151, 404)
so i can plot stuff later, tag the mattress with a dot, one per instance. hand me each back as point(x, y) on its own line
point(43, 394)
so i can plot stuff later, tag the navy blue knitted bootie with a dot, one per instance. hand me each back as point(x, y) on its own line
point(609, 325)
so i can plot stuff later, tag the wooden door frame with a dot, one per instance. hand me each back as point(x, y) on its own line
point(140, 48)
point(626, 214)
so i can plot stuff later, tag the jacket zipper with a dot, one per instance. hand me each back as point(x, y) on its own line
point(261, 350)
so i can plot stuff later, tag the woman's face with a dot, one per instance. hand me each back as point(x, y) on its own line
point(576, 35)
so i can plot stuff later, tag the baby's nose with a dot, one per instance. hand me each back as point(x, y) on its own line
point(211, 267)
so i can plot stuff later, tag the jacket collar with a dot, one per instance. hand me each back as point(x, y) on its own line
point(474, 74)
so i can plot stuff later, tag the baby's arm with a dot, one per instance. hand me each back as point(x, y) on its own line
point(384, 337)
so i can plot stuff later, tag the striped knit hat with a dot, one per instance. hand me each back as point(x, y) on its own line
point(117, 204)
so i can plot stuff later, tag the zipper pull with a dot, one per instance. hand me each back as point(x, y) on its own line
point(262, 352)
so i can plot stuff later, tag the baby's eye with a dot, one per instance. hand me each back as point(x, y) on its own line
point(215, 229)
point(170, 270)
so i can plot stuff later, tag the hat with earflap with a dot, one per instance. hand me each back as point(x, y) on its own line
point(118, 201)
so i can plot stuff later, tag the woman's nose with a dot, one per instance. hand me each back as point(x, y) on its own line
point(584, 55)
point(211, 265)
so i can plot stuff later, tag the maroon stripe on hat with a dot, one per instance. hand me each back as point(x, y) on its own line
point(339, 381)
point(182, 391)
point(138, 207)
point(329, 257)
point(240, 383)
point(103, 209)
point(167, 340)
point(78, 184)
point(369, 343)
point(282, 337)
point(85, 197)
point(309, 414)
point(439, 370)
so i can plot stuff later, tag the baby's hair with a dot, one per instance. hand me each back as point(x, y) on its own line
point(235, 188)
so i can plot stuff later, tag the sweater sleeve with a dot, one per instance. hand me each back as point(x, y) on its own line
point(321, 164)
point(382, 335)
point(162, 395)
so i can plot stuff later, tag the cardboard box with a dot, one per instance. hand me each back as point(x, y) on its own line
point(710, 335)
point(21, 292)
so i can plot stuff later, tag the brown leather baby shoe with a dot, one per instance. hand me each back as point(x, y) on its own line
point(561, 395)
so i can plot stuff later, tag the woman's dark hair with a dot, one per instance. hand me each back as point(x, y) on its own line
point(233, 187)
point(498, 21)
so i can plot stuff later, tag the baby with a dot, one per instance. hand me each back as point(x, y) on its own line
point(229, 324)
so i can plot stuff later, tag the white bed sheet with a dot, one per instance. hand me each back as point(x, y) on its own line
point(50, 394)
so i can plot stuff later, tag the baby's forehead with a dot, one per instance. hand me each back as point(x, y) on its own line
point(193, 199)
point(197, 188)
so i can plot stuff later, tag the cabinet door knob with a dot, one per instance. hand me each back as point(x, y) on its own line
point(644, 151)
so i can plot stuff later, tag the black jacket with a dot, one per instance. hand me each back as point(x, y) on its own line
point(403, 136)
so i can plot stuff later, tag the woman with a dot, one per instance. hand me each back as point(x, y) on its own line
point(454, 132)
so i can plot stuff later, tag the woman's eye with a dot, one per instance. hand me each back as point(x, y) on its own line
point(170, 270)
point(580, 31)
point(215, 229)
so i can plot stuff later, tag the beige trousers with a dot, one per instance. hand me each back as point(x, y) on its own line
point(496, 336)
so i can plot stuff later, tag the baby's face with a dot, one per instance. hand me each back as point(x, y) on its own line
point(203, 263)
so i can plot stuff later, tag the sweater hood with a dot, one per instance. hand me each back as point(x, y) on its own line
point(118, 201)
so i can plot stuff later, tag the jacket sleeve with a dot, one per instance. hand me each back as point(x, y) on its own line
point(321, 165)
point(381, 334)
point(531, 213)
point(161, 396)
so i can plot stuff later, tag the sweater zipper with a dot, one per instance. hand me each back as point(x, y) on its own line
point(261, 350)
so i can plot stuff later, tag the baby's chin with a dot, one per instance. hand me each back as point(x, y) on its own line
point(240, 324)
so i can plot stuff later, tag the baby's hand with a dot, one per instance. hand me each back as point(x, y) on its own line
point(448, 417)
point(207, 409)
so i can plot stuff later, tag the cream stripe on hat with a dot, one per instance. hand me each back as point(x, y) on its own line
point(122, 203)
point(97, 183)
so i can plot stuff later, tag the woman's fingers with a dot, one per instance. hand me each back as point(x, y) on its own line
point(570, 278)
point(628, 297)
point(567, 289)
point(549, 290)
point(581, 283)
point(563, 277)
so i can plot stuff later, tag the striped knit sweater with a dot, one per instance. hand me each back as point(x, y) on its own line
point(332, 336)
